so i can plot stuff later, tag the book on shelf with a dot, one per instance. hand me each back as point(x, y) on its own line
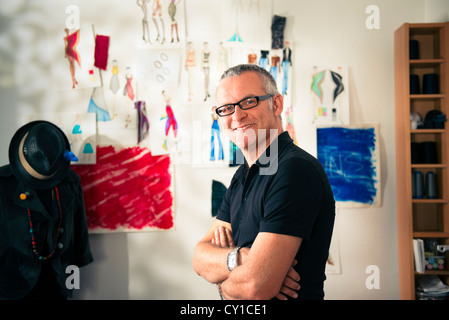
point(419, 256)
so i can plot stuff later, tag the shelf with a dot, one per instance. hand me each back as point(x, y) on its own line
point(428, 166)
point(419, 131)
point(429, 201)
point(420, 218)
point(431, 234)
point(426, 62)
point(426, 96)
point(433, 272)
point(424, 27)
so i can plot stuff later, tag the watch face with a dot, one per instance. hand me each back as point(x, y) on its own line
point(232, 260)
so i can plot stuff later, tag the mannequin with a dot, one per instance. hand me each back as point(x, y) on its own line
point(42, 216)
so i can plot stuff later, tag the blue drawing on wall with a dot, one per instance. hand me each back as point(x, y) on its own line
point(349, 157)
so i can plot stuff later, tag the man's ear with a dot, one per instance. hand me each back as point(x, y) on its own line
point(278, 104)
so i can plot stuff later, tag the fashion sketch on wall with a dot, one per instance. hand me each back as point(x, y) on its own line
point(350, 157)
point(108, 87)
point(80, 130)
point(329, 95)
point(128, 190)
point(162, 23)
point(74, 67)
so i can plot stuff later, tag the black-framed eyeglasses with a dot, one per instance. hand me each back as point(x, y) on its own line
point(244, 104)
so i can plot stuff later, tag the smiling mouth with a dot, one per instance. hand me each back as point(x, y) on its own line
point(243, 128)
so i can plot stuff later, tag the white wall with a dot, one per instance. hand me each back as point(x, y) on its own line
point(436, 11)
point(157, 265)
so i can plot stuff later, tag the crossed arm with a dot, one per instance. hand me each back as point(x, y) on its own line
point(263, 272)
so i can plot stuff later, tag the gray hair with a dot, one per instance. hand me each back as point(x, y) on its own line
point(268, 82)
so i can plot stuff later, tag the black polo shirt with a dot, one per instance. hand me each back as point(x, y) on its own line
point(288, 194)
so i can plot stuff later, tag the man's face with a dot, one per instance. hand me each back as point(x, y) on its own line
point(243, 126)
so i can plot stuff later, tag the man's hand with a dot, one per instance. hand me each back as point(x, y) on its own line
point(209, 260)
point(290, 286)
point(223, 238)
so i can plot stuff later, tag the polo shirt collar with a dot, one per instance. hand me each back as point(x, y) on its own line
point(283, 140)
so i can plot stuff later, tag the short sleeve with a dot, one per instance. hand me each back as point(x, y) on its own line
point(293, 200)
point(224, 213)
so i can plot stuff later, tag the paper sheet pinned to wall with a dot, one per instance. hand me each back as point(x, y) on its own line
point(80, 130)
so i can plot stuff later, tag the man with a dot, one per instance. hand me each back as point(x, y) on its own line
point(277, 216)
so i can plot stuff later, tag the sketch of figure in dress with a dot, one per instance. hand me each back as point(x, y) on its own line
point(143, 4)
point(256, 4)
point(128, 91)
point(263, 61)
point(97, 104)
point(215, 138)
point(206, 69)
point(275, 66)
point(236, 36)
point(290, 126)
point(339, 88)
point(172, 13)
point(114, 84)
point(72, 55)
point(171, 120)
point(317, 81)
point(128, 88)
point(143, 124)
point(338, 80)
point(190, 64)
point(252, 57)
point(157, 11)
point(223, 61)
point(327, 92)
point(286, 64)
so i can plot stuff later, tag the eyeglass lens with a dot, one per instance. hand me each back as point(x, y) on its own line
point(246, 103)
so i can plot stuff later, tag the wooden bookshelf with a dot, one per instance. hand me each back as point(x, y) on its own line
point(420, 218)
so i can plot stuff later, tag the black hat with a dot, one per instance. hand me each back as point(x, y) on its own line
point(37, 155)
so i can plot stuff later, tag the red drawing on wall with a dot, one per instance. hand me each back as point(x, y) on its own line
point(127, 190)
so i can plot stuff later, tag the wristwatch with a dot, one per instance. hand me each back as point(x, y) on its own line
point(232, 258)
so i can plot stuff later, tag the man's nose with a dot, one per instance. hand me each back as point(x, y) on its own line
point(238, 114)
